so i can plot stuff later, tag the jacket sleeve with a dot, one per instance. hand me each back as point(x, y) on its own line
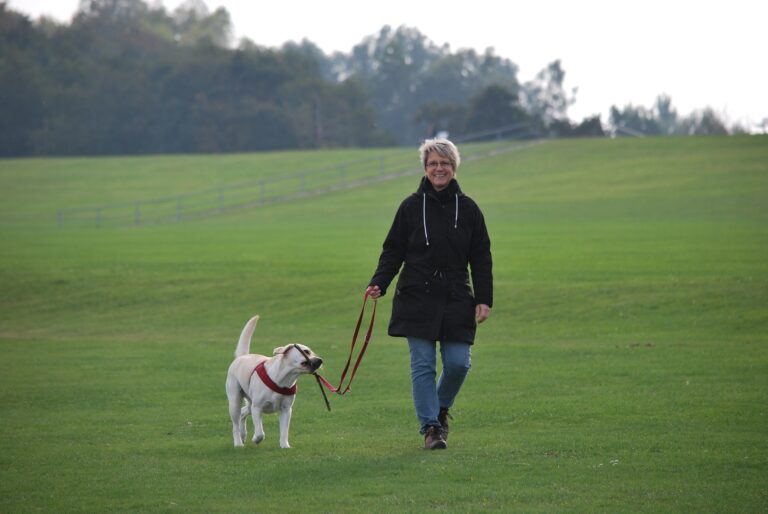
point(481, 263)
point(393, 251)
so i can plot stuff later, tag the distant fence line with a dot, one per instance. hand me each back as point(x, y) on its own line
point(521, 130)
point(628, 132)
point(226, 198)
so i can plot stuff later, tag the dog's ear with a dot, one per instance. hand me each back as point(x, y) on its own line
point(279, 349)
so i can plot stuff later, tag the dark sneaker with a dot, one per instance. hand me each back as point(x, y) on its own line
point(443, 419)
point(433, 440)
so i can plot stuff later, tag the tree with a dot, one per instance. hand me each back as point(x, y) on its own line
point(494, 107)
point(194, 24)
point(444, 92)
point(404, 71)
point(589, 127)
point(666, 115)
point(437, 117)
point(390, 66)
point(21, 101)
point(663, 119)
point(704, 122)
point(545, 98)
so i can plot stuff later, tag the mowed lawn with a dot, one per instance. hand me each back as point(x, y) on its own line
point(624, 367)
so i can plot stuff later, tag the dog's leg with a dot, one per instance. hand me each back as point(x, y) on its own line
point(235, 400)
point(285, 424)
point(258, 429)
point(244, 413)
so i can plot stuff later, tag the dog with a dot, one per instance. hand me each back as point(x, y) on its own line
point(267, 384)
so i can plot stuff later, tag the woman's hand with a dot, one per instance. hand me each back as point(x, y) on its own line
point(374, 291)
point(482, 311)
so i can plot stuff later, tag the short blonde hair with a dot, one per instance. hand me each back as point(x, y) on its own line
point(443, 147)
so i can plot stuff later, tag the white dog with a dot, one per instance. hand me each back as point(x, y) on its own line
point(268, 384)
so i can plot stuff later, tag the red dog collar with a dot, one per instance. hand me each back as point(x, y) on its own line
point(264, 376)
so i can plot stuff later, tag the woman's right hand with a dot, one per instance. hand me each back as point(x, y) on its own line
point(374, 291)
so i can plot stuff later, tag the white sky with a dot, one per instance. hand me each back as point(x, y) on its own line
point(704, 53)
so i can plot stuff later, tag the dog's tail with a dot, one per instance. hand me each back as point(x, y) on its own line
point(244, 345)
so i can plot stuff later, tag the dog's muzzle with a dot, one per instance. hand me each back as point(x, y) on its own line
point(314, 364)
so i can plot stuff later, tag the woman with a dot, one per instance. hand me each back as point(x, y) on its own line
point(436, 234)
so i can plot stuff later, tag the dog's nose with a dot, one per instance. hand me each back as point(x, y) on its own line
point(316, 363)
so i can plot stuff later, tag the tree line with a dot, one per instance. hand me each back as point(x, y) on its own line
point(129, 77)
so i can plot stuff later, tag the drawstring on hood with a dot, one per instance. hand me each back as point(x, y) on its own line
point(426, 185)
point(456, 219)
point(424, 215)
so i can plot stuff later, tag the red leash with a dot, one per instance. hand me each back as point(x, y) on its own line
point(338, 390)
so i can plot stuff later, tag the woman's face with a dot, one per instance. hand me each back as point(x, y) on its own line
point(439, 171)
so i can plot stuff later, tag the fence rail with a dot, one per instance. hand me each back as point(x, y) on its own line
point(226, 198)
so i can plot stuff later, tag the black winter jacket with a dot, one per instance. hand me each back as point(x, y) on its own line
point(436, 235)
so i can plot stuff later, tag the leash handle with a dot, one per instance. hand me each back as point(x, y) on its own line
point(354, 341)
point(338, 390)
point(365, 342)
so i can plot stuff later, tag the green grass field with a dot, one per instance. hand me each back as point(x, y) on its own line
point(624, 367)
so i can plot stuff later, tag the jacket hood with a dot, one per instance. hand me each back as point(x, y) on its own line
point(425, 186)
point(451, 191)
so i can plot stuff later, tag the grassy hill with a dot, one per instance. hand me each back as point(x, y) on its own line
point(623, 368)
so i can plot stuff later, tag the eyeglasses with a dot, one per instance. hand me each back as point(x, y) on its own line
point(436, 164)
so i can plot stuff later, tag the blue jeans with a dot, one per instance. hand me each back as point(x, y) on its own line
point(428, 396)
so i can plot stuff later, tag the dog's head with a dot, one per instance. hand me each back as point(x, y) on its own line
point(300, 356)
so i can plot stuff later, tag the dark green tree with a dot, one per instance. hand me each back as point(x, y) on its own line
point(704, 122)
point(663, 119)
point(494, 107)
point(589, 127)
point(448, 117)
point(633, 120)
point(21, 99)
point(404, 71)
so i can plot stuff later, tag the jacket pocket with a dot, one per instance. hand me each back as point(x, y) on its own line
point(462, 291)
point(461, 307)
point(409, 300)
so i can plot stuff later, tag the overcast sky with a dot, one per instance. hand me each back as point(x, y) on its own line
point(705, 53)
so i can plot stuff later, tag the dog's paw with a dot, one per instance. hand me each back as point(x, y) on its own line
point(258, 438)
point(285, 446)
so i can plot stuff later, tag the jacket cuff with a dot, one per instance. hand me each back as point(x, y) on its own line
point(382, 289)
point(480, 301)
